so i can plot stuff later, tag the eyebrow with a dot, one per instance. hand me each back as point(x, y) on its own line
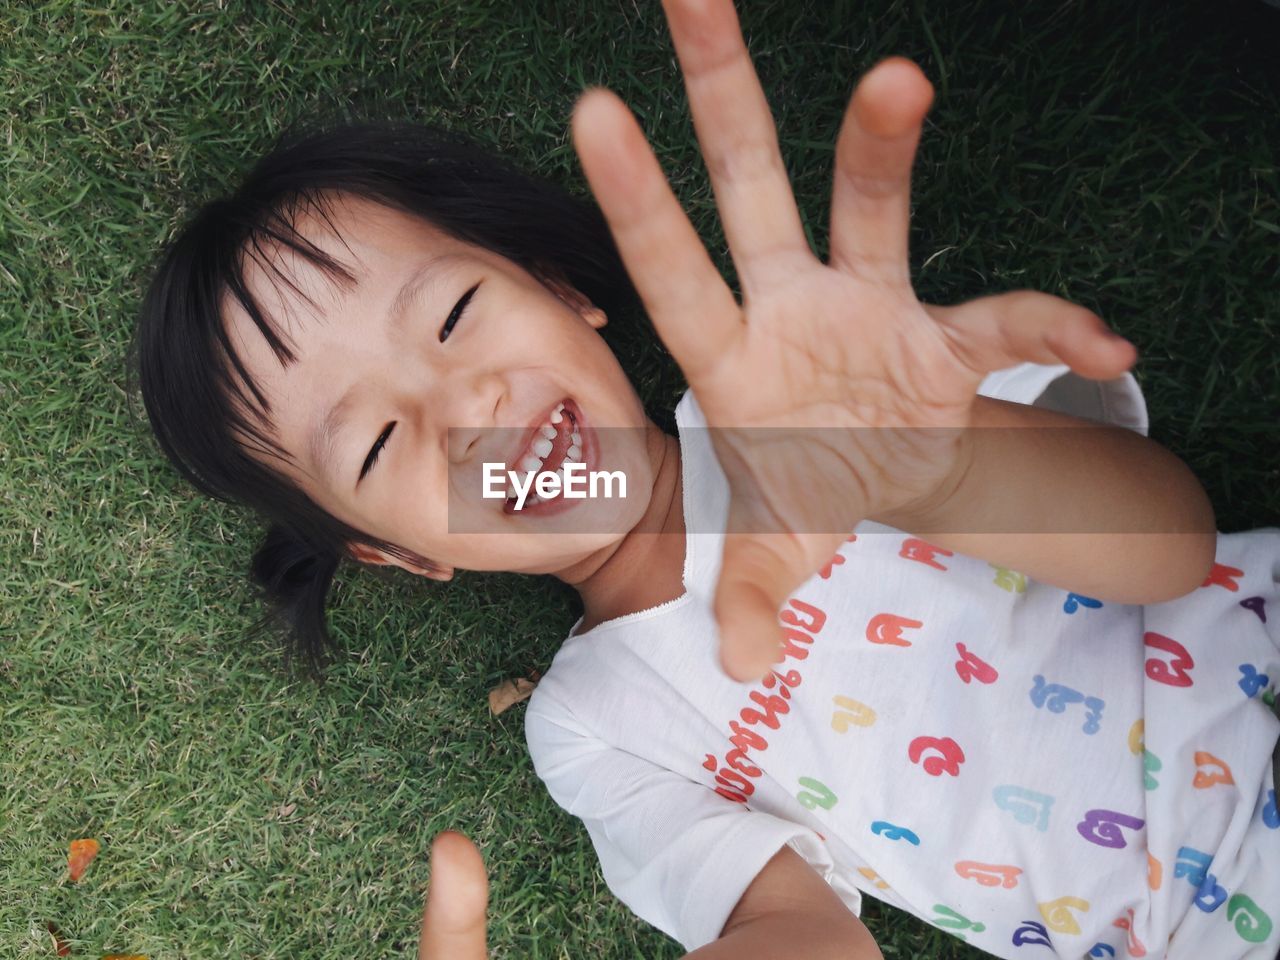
point(323, 442)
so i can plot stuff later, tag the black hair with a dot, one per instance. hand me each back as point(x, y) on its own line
point(193, 384)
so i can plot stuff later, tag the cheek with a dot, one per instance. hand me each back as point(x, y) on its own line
point(414, 519)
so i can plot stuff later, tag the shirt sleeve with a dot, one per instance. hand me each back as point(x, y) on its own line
point(1055, 387)
point(676, 853)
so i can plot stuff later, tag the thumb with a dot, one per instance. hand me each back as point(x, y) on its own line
point(1004, 329)
point(453, 922)
point(755, 578)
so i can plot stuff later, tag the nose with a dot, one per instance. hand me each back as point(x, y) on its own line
point(472, 404)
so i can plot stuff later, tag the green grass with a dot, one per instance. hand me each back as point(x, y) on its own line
point(1119, 154)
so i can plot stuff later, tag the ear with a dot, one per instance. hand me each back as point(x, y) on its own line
point(556, 282)
point(427, 568)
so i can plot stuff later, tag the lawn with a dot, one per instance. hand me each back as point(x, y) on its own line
point(1121, 154)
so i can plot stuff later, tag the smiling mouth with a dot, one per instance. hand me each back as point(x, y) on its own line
point(553, 443)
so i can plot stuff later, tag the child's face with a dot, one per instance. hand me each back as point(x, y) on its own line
point(516, 352)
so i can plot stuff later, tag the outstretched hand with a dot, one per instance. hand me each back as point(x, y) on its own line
point(822, 350)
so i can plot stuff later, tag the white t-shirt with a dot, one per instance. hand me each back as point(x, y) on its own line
point(1019, 765)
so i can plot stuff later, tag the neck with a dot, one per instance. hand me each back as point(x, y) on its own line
point(646, 566)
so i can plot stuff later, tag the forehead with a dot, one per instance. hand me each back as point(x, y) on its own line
point(365, 238)
point(319, 314)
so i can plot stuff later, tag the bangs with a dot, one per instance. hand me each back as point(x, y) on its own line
point(266, 243)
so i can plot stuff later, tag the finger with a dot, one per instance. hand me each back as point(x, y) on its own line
point(739, 142)
point(755, 578)
point(871, 195)
point(453, 923)
point(693, 310)
point(1019, 326)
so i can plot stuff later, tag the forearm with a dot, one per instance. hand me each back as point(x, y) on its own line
point(1098, 510)
point(784, 936)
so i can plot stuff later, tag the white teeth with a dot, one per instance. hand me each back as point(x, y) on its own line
point(544, 440)
point(575, 453)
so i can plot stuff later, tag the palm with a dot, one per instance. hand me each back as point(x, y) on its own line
point(820, 350)
point(849, 385)
point(830, 349)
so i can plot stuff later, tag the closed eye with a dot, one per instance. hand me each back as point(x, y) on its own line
point(456, 313)
point(450, 322)
point(381, 442)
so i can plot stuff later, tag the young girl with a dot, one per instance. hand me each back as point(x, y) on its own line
point(1028, 699)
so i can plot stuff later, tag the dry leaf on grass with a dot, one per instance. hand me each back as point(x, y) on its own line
point(60, 946)
point(81, 855)
point(508, 693)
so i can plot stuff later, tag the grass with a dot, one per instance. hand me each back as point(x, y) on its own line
point(1120, 154)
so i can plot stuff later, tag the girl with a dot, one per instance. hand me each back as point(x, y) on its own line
point(1028, 699)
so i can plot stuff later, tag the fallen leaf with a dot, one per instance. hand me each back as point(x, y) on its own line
point(286, 809)
point(60, 946)
point(508, 693)
point(81, 855)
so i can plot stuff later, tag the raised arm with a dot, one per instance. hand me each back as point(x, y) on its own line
point(1098, 510)
point(833, 394)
